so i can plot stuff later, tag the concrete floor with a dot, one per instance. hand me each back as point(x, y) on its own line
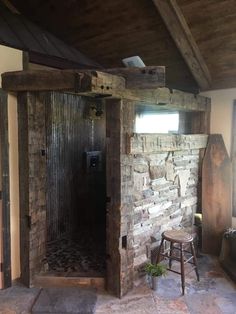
point(214, 294)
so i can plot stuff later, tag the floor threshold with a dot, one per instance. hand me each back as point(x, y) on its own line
point(52, 281)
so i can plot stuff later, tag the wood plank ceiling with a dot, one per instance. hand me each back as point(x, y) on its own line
point(108, 31)
point(213, 25)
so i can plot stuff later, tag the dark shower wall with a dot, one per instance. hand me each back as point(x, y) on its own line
point(75, 193)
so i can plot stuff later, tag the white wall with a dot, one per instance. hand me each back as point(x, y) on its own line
point(11, 60)
point(222, 116)
point(221, 113)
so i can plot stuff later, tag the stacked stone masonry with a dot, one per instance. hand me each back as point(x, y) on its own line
point(165, 174)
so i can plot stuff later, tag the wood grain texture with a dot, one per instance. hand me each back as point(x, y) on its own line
point(153, 143)
point(108, 31)
point(100, 84)
point(18, 32)
point(213, 25)
point(5, 188)
point(113, 179)
point(1, 226)
point(65, 80)
point(23, 186)
point(111, 30)
point(53, 281)
point(146, 77)
point(181, 34)
point(216, 194)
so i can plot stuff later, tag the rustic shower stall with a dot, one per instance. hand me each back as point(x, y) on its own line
point(87, 181)
point(75, 179)
point(67, 182)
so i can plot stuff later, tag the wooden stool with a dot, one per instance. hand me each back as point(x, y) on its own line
point(180, 238)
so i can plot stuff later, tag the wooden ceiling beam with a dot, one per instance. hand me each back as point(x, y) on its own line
point(184, 40)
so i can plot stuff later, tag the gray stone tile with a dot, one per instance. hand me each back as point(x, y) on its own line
point(17, 299)
point(65, 300)
point(214, 294)
point(171, 306)
point(128, 305)
point(200, 303)
point(169, 288)
point(227, 303)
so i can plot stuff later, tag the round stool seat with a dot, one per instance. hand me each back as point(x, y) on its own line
point(177, 236)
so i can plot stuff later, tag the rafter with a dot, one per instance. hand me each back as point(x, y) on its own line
point(184, 40)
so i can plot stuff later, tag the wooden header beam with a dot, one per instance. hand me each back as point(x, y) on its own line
point(144, 78)
point(65, 80)
point(100, 84)
point(81, 80)
point(183, 38)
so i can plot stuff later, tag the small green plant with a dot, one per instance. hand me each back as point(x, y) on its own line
point(155, 269)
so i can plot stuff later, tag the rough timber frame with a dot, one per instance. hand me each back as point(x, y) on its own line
point(5, 236)
point(101, 84)
point(120, 102)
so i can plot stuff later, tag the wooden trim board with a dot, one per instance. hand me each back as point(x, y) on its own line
point(5, 230)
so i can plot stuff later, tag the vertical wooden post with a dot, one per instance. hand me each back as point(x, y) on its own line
point(5, 236)
point(24, 183)
point(120, 120)
point(113, 173)
point(127, 185)
point(32, 174)
point(1, 226)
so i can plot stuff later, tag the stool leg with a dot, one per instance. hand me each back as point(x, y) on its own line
point(170, 259)
point(194, 260)
point(182, 267)
point(159, 251)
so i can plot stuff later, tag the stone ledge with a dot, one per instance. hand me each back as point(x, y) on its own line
point(152, 143)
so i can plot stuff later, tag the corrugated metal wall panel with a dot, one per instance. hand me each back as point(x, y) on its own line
point(69, 135)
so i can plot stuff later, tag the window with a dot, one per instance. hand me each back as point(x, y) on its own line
point(157, 123)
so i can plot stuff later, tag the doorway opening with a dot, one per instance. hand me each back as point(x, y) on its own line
point(75, 186)
point(70, 199)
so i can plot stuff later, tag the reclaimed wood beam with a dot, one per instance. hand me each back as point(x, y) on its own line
point(149, 77)
point(184, 40)
point(164, 98)
point(5, 191)
point(66, 80)
point(144, 78)
point(19, 81)
point(153, 143)
point(100, 84)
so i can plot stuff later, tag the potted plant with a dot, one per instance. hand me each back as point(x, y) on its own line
point(154, 271)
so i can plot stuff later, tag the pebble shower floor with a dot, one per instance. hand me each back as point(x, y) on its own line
point(83, 255)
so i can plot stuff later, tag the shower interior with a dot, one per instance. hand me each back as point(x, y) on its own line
point(76, 187)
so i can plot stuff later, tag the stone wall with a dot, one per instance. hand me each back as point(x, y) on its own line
point(165, 175)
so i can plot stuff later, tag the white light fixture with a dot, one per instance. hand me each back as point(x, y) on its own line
point(134, 61)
